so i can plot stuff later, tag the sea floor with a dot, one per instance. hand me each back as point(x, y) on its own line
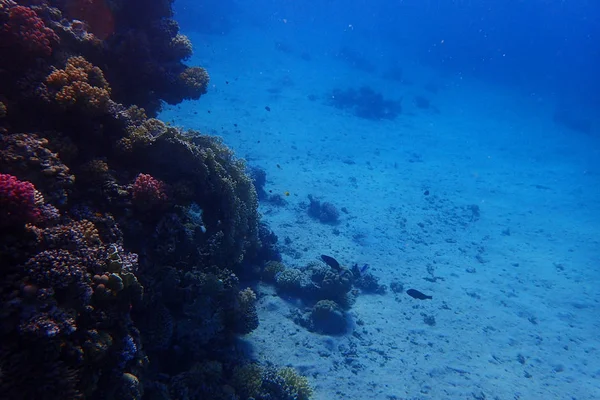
point(480, 200)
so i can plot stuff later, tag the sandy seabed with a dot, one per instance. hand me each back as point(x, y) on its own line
point(506, 240)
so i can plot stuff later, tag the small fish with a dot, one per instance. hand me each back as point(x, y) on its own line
point(364, 269)
point(426, 193)
point(267, 108)
point(332, 262)
point(415, 294)
point(286, 193)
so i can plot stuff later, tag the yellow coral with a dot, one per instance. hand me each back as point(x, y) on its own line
point(142, 135)
point(80, 83)
point(297, 383)
point(247, 297)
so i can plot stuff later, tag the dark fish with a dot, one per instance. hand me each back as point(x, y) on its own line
point(415, 294)
point(426, 193)
point(364, 269)
point(268, 108)
point(332, 262)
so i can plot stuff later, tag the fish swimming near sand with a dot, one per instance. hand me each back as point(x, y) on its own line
point(415, 294)
point(332, 262)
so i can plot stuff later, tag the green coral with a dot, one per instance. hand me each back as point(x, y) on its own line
point(272, 268)
point(297, 384)
point(142, 134)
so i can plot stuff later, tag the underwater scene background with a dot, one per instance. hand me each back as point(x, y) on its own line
point(299, 199)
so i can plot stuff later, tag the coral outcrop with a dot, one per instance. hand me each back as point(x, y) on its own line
point(122, 239)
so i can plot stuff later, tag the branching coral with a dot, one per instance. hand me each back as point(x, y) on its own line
point(80, 84)
point(18, 203)
point(181, 47)
point(194, 81)
point(297, 384)
point(148, 192)
point(142, 134)
point(24, 32)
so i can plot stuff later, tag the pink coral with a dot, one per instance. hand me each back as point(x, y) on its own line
point(18, 202)
point(148, 192)
point(26, 31)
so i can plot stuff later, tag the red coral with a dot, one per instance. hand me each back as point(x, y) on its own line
point(148, 192)
point(18, 202)
point(25, 30)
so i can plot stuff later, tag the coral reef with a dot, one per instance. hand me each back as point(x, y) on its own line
point(87, 183)
point(254, 381)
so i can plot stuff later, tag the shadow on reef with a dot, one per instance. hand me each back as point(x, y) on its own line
point(122, 239)
point(365, 103)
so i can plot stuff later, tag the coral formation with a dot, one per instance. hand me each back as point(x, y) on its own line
point(328, 317)
point(272, 269)
point(297, 384)
point(28, 156)
point(246, 317)
point(325, 212)
point(194, 81)
point(18, 203)
point(80, 84)
point(254, 381)
point(23, 33)
point(87, 182)
point(148, 193)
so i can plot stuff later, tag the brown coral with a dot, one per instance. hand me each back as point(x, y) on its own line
point(80, 84)
point(194, 81)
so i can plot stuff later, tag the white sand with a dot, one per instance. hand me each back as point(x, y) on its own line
point(516, 315)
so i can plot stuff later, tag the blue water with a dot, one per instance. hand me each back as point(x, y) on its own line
point(460, 139)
